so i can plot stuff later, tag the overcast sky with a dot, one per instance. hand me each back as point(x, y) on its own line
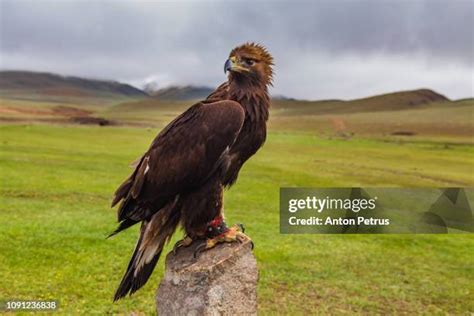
point(322, 49)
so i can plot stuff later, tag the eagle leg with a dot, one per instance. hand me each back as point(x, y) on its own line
point(232, 234)
point(185, 242)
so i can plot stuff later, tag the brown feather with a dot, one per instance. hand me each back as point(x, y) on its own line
point(140, 177)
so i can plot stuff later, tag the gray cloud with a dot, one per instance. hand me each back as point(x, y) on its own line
point(323, 49)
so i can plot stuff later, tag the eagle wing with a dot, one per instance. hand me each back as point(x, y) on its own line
point(183, 156)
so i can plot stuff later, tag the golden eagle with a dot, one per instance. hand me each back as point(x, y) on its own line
point(182, 176)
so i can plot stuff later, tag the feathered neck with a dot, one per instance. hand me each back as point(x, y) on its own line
point(252, 95)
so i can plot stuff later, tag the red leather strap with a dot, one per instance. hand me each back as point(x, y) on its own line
point(216, 227)
point(216, 221)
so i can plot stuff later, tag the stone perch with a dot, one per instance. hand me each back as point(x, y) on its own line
point(220, 281)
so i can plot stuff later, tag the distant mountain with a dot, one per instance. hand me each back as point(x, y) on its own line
point(410, 98)
point(53, 84)
point(395, 101)
point(180, 93)
point(281, 97)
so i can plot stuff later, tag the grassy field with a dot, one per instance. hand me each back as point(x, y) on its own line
point(57, 182)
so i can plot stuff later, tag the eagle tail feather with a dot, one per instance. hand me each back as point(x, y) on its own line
point(154, 234)
point(132, 281)
point(122, 191)
point(122, 226)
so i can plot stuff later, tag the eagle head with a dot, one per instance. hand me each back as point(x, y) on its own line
point(250, 62)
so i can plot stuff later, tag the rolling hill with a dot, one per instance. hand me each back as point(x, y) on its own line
point(177, 99)
point(49, 84)
point(401, 100)
point(50, 98)
point(417, 113)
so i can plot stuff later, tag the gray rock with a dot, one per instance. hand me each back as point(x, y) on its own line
point(221, 281)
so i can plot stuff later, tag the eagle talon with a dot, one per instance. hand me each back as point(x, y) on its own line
point(198, 250)
point(201, 248)
point(232, 234)
point(240, 238)
point(242, 227)
point(185, 242)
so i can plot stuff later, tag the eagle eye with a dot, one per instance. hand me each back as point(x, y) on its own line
point(249, 62)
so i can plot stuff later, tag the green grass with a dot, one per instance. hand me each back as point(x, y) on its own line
point(57, 182)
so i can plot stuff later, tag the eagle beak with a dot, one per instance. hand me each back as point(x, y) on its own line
point(232, 64)
point(228, 65)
